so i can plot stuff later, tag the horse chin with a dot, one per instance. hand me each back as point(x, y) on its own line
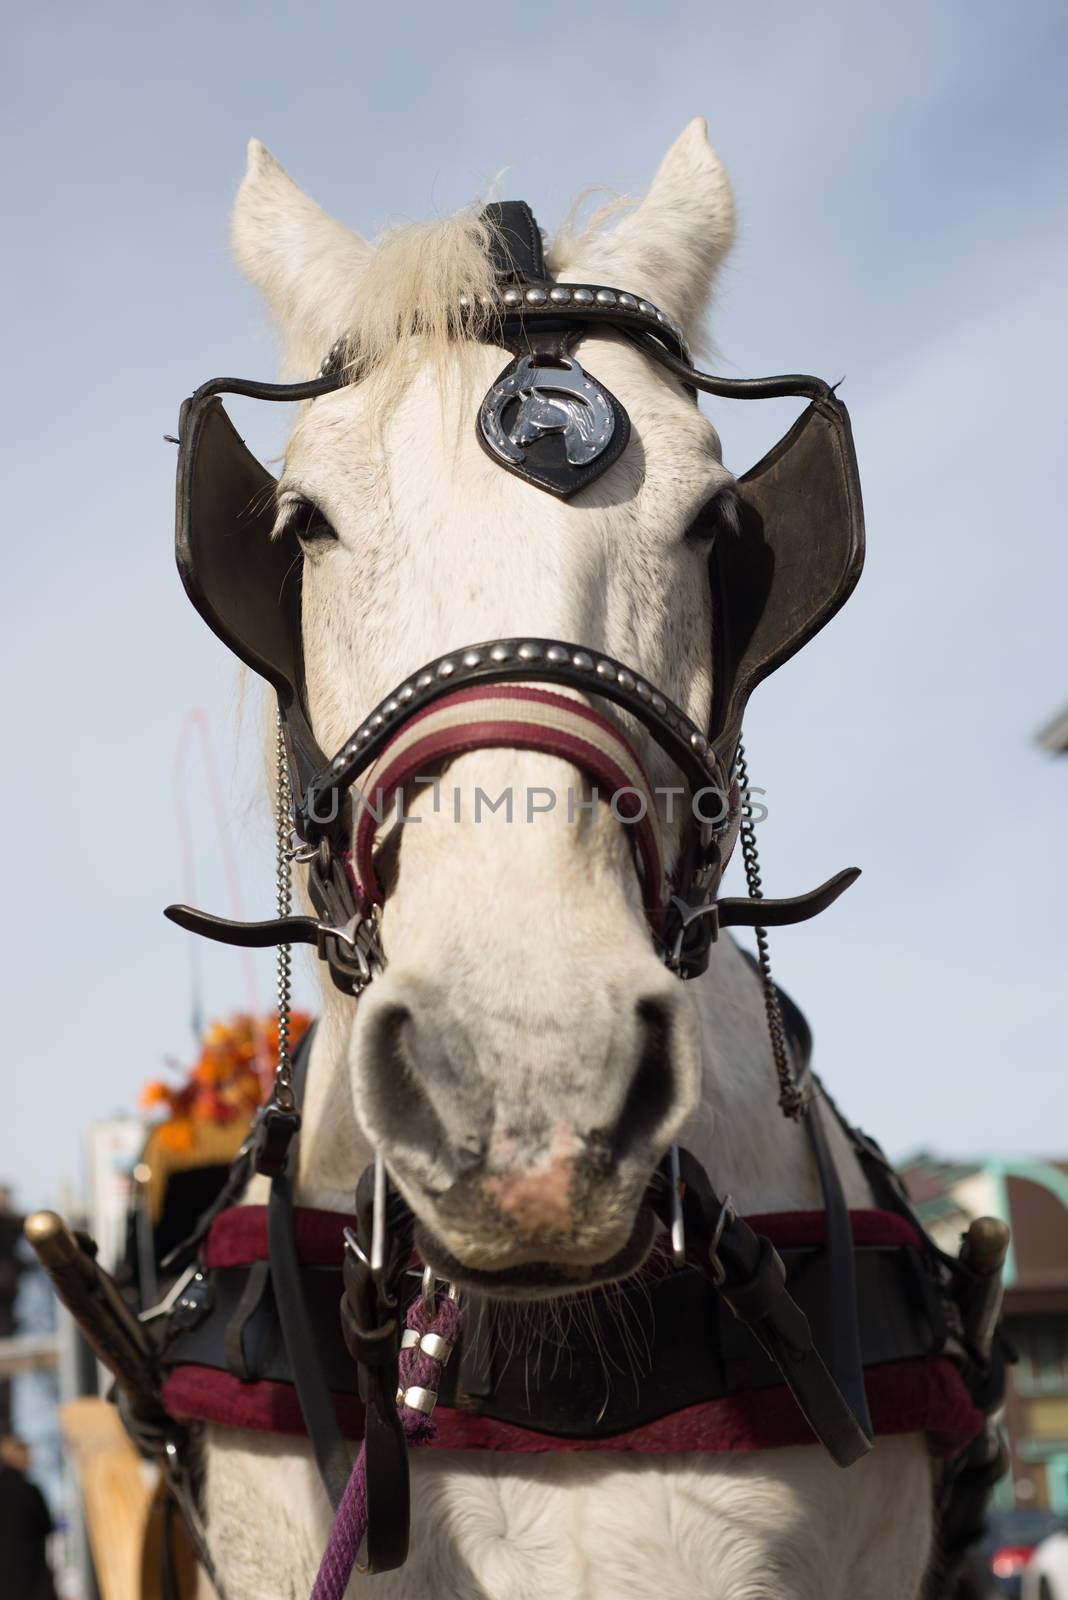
point(540, 1280)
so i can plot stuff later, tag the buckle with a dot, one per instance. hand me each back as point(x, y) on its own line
point(275, 1128)
point(727, 1215)
point(695, 931)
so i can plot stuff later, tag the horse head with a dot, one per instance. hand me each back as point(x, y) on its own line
point(526, 1058)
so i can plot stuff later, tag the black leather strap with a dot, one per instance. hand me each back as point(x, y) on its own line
point(371, 1316)
point(751, 1277)
point(302, 1347)
point(234, 1187)
point(298, 1331)
point(841, 1343)
point(237, 1358)
point(516, 250)
point(842, 1351)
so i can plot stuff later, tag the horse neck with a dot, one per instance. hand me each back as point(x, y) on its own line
point(750, 1150)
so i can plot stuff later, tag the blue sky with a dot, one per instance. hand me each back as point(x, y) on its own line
point(900, 182)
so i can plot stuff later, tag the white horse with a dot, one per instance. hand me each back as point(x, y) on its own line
point(523, 991)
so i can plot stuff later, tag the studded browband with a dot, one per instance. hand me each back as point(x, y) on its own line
point(585, 304)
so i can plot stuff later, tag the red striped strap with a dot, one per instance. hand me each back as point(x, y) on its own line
point(514, 717)
point(238, 1235)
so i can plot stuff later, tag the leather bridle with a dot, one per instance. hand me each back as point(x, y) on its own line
point(537, 319)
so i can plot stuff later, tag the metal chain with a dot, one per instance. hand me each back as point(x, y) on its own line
point(793, 1098)
point(283, 1082)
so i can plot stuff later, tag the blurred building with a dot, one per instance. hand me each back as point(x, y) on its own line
point(1032, 1197)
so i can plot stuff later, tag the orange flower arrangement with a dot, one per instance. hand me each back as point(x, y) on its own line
point(228, 1082)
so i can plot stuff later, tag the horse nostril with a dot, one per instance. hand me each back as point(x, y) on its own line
point(652, 1091)
point(397, 1108)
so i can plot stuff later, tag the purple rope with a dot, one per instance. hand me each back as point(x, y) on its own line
point(350, 1521)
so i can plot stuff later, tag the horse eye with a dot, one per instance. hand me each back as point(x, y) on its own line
point(304, 518)
point(720, 515)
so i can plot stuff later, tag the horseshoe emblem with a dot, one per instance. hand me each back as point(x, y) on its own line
point(531, 404)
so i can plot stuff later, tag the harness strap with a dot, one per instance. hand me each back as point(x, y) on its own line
point(234, 1333)
point(371, 1325)
point(317, 1409)
point(751, 1277)
point(843, 1352)
point(842, 1342)
point(236, 1183)
point(516, 251)
point(698, 1351)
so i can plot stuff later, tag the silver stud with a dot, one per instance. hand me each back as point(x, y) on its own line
point(529, 652)
point(659, 704)
point(629, 301)
point(606, 297)
point(363, 735)
point(405, 694)
point(556, 654)
point(487, 301)
point(643, 305)
point(465, 302)
point(699, 743)
point(472, 658)
point(605, 669)
point(390, 707)
point(583, 297)
point(660, 317)
point(625, 679)
point(500, 652)
point(512, 297)
point(582, 661)
point(560, 294)
point(643, 689)
point(536, 297)
point(446, 668)
point(424, 680)
point(377, 721)
point(338, 764)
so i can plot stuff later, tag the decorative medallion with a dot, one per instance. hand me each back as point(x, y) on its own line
point(549, 421)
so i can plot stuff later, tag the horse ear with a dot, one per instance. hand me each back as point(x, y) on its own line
point(304, 263)
point(670, 247)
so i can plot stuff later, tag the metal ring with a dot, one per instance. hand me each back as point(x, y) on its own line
point(436, 1346)
point(727, 1215)
point(353, 1244)
point(417, 1398)
point(427, 1291)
